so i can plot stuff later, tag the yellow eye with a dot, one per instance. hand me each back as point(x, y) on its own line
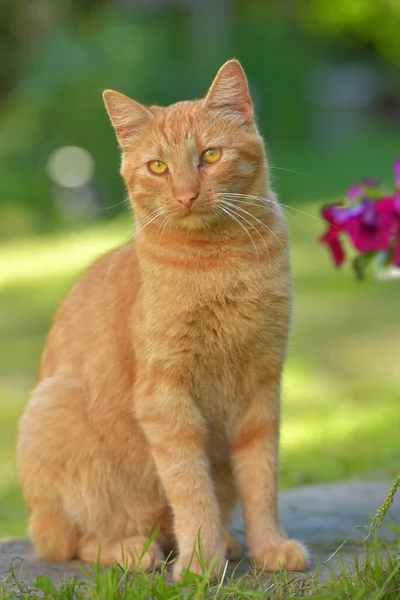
point(158, 167)
point(211, 155)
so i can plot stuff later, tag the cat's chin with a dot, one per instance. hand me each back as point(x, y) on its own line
point(194, 221)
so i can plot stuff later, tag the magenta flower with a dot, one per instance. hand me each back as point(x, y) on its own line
point(331, 237)
point(372, 225)
point(371, 230)
point(355, 191)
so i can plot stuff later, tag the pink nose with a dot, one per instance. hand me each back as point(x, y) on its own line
point(186, 198)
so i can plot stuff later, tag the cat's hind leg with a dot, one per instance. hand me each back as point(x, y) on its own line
point(53, 536)
point(77, 498)
point(51, 437)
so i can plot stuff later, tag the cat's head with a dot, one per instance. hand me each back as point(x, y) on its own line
point(183, 160)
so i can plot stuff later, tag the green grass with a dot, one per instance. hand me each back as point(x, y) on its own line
point(341, 388)
point(378, 578)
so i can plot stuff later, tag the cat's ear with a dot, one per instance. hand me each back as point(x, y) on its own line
point(127, 116)
point(229, 93)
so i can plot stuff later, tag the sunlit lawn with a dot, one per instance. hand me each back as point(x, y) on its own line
point(342, 385)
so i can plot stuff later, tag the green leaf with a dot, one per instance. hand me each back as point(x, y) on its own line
point(45, 585)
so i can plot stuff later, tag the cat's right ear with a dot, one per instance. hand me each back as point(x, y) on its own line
point(127, 116)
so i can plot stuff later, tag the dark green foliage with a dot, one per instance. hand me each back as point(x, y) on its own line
point(58, 57)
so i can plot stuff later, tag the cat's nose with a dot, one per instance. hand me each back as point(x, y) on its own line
point(186, 197)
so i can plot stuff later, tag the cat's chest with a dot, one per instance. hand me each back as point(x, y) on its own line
point(204, 319)
point(217, 335)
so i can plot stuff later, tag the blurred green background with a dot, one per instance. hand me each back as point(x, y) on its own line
point(325, 80)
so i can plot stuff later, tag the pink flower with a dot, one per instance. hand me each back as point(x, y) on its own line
point(331, 237)
point(354, 192)
point(371, 230)
point(396, 251)
point(371, 227)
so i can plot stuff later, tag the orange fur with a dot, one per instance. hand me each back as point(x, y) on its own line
point(158, 395)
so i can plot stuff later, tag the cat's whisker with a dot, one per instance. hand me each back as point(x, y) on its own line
point(233, 208)
point(269, 201)
point(110, 268)
point(228, 212)
point(266, 202)
point(133, 234)
point(145, 220)
point(284, 206)
point(284, 169)
point(149, 219)
point(208, 225)
point(271, 167)
point(233, 195)
point(125, 201)
point(258, 221)
point(259, 204)
point(167, 221)
point(262, 204)
point(149, 216)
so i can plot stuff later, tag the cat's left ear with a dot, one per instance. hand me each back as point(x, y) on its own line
point(229, 93)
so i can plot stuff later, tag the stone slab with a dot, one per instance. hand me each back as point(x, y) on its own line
point(322, 516)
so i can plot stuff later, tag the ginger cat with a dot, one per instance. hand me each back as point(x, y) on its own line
point(158, 397)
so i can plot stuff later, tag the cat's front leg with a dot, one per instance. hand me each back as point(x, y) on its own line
point(254, 449)
point(176, 432)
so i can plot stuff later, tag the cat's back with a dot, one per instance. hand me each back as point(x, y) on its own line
point(93, 318)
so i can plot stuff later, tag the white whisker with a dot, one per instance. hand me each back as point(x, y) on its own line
point(269, 201)
point(117, 253)
point(234, 209)
point(284, 169)
point(261, 203)
point(167, 221)
point(227, 211)
point(149, 219)
point(258, 220)
point(208, 226)
point(126, 202)
point(270, 167)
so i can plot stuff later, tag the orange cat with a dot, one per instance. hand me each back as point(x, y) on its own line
point(158, 397)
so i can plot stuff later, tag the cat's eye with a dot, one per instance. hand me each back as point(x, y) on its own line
point(211, 155)
point(158, 167)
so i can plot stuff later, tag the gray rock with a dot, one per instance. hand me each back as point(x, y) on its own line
point(322, 516)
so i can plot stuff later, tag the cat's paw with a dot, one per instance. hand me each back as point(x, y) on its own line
point(195, 565)
point(133, 550)
point(288, 555)
point(232, 548)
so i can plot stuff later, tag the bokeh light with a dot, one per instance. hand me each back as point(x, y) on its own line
point(71, 166)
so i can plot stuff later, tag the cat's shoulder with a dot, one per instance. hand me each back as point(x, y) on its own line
point(112, 273)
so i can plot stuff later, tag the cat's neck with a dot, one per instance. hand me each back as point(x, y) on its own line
point(224, 246)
